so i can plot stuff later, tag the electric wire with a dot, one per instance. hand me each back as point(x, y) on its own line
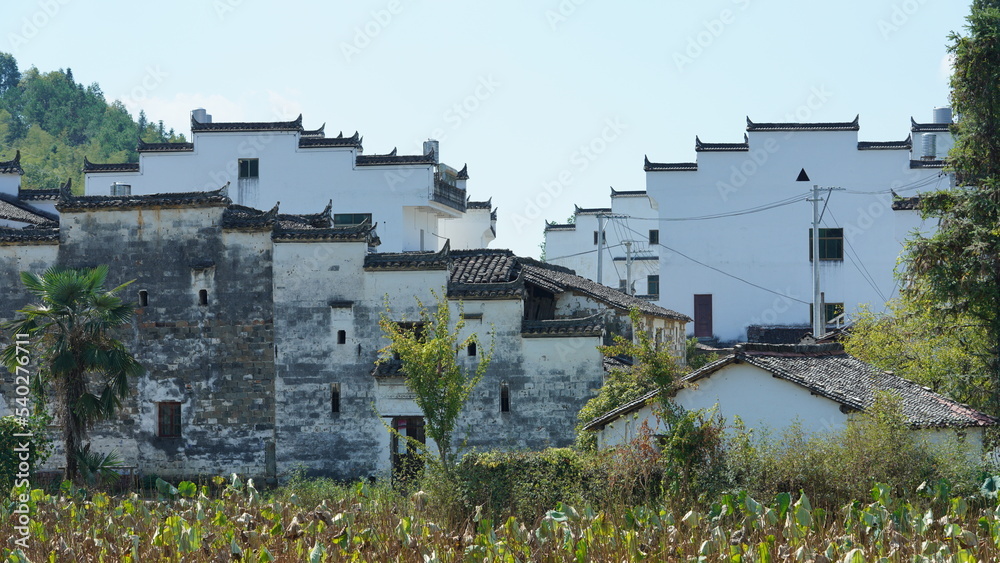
point(735, 277)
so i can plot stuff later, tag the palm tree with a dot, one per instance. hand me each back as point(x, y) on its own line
point(70, 337)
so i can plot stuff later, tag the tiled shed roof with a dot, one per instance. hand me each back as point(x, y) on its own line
point(14, 210)
point(488, 204)
point(826, 370)
point(12, 166)
point(828, 126)
point(484, 266)
point(363, 232)
point(563, 279)
point(560, 226)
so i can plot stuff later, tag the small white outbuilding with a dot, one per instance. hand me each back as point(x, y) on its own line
point(818, 386)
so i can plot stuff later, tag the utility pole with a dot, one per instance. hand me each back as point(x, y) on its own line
point(628, 267)
point(817, 317)
point(600, 248)
point(818, 324)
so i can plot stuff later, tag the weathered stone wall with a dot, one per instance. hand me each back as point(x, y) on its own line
point(216, 359)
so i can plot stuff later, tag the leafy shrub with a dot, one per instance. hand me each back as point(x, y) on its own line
point(39, 448)
point(838, 467)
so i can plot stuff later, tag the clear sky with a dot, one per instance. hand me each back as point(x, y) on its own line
point(549, 102)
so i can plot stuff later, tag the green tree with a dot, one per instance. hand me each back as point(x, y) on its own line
point(71, 329)
point(958, 267)
point(428, 350)
point(652, 367)
point(915, 341)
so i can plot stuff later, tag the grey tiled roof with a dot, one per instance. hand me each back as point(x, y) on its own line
point(834, 126)
point(388, 368)
point(669, 166)
point(393, 158)
point(628, 193)
point(826, 370)
point(240, 217)
point(564, 279)
point(361, 232)
point(143, 146)
point(484, 266)
point(928, 127)
point(560, 226)
point(30, 235)
point(321, 220)
point(178, 199)
point(39, 195)
point(906, 203)
point(555, 328)
point(232, 126)
point(319, 132)
point(12, 166)
point(340, 140)
point(89, 166)
point(393, 261)
point(926, 164)
point(577, 210)
point(699, 146)
point(488, 204)
point(14, 210)
point(905, 144)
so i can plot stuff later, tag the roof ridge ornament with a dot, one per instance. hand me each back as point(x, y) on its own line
point(66, 190)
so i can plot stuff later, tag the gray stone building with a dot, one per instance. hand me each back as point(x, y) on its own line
point(259, 332)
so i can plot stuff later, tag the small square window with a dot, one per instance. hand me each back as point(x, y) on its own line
point(831, 244)
point(169, 418)
point(471, 349)
point(653, 285)
point(654, 236)
point(249, 168)
point(604, 237)
point(341, 337)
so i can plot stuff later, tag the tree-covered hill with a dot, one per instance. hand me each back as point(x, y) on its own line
point(56, 122)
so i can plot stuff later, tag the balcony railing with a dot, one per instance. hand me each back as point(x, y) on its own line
point(448, 194)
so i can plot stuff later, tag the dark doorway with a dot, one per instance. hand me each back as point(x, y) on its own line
point(406, 462)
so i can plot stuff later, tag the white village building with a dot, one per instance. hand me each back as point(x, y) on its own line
point(259, 331)
point(418, 201)
point(726, 239)
point(815, 386)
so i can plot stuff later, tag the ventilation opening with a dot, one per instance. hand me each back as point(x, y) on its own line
point(504, 397)
point(143, 298)
point(335, 398)
point(341, 337)
point(203, 297)
point(471, 349)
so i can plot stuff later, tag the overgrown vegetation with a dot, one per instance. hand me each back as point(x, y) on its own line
point(55, 122)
